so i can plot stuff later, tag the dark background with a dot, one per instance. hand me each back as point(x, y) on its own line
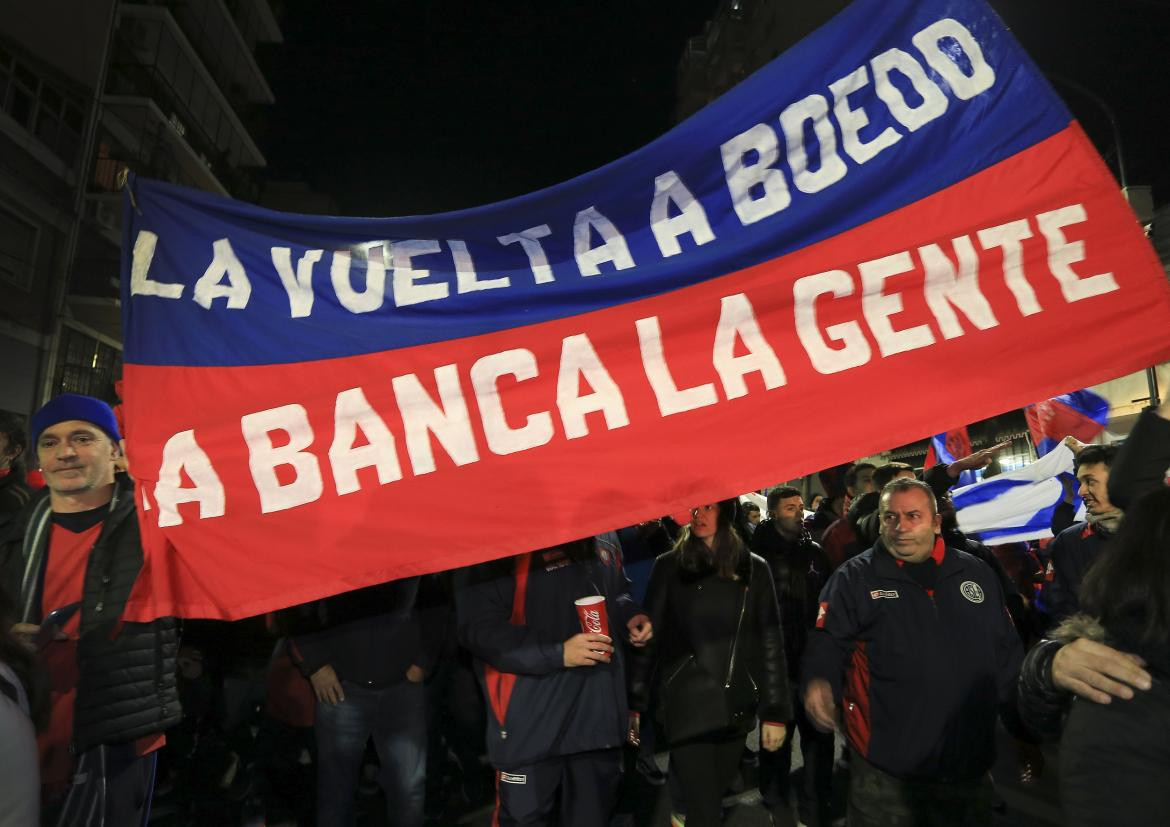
point(398, 108)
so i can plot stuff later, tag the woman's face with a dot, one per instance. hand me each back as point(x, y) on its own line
point(705, 522)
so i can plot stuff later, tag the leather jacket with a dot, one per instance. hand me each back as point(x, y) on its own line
point(696, 613)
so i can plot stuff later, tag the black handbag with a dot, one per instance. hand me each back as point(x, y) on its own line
point(693, 703)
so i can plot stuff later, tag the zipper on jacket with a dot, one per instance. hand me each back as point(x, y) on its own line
point(735, 640)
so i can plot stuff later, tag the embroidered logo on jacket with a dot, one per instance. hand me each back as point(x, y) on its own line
point(878, 594)
point(972, 591)
point(821, 613)
point(508, 778)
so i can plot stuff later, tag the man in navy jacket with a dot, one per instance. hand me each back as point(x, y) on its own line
point(557, 711)
point(914, 641)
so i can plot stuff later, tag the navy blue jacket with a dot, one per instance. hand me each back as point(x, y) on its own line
point(919, 675)
point(1070, 555)
point(514, 616)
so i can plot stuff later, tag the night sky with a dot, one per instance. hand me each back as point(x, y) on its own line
point(401, 108)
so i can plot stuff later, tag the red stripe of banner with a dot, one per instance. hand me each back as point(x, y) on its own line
point(246, 562)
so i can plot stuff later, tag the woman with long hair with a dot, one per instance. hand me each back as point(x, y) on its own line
point(716, 662)
point(1115, 757)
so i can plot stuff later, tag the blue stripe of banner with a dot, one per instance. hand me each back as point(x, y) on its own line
point(1016, 112)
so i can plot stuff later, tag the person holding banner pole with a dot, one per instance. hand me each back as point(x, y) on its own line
point(73, 556)
point(539, 626)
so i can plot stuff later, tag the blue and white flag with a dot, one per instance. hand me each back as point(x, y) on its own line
point(1016, 506)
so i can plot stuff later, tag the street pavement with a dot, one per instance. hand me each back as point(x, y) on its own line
point(643, 805)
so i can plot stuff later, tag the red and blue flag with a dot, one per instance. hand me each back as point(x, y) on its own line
point(883, 234)
point(1081, 414)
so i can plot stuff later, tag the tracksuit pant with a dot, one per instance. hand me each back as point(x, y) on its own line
point(588, 783)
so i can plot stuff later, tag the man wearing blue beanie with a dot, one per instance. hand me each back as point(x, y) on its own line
point(71, 557)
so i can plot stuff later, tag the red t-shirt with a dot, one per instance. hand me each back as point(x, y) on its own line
point(65, 584)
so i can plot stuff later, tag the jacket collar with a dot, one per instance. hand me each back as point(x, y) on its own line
point(34, 527)
point(743, 568)
point(886, 565)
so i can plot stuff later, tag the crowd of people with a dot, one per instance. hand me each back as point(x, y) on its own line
point(537, 684)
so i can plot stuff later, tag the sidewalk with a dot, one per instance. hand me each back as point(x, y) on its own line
point(644, 805)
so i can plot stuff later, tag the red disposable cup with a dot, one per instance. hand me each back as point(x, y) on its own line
point(591, 612)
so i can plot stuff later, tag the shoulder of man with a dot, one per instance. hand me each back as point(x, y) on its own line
point(1071, 535)
point(856, 570)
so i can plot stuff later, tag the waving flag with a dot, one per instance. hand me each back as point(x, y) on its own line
point(1081, 414)
point(948, 447)
point(888, 212)
point(1018, 505)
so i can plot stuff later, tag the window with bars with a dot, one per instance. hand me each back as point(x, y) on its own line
point(87, 366)
point(49, 114)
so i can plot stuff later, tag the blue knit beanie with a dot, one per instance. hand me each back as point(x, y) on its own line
point(69, 406)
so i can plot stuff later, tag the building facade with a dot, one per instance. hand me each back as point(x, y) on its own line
point(170, 90)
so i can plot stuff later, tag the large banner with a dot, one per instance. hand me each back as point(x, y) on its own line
point(892, 230)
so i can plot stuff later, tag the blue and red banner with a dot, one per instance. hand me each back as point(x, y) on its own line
point(947, 447)
point(1081, 414)
point(883, 234)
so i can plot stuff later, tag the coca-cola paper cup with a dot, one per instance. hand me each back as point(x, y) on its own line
point(592, 614)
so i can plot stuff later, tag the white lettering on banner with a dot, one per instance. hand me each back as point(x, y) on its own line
point(669, 189)
point(853, 119)
point(758, 166)
point(501, 437)
point(878, 306)
point(855, 350)
point(352, 412)
point(671, 400)
point(579, 361)
point(944, 287)
point(299, 283)
point(814, 110)
point(612, 250)
point(374, 294)
point(210, 286)
point(1062, 254)
point(448, 421)
point(757, 189)
point(942, 59)
point(1008, 237)
point(934, 100)
point(465, 276)
point(529, 241)
point(407, 290)
point(140, 282)
point(948, 281)
point(737, 321)
point(182, 453)
point(264, 457)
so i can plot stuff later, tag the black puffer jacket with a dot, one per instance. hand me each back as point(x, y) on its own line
point(696, 613)
point(800, 569)
point(126, 688)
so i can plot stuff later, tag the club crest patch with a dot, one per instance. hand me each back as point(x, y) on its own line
point(878, 594)
point(972, 591)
